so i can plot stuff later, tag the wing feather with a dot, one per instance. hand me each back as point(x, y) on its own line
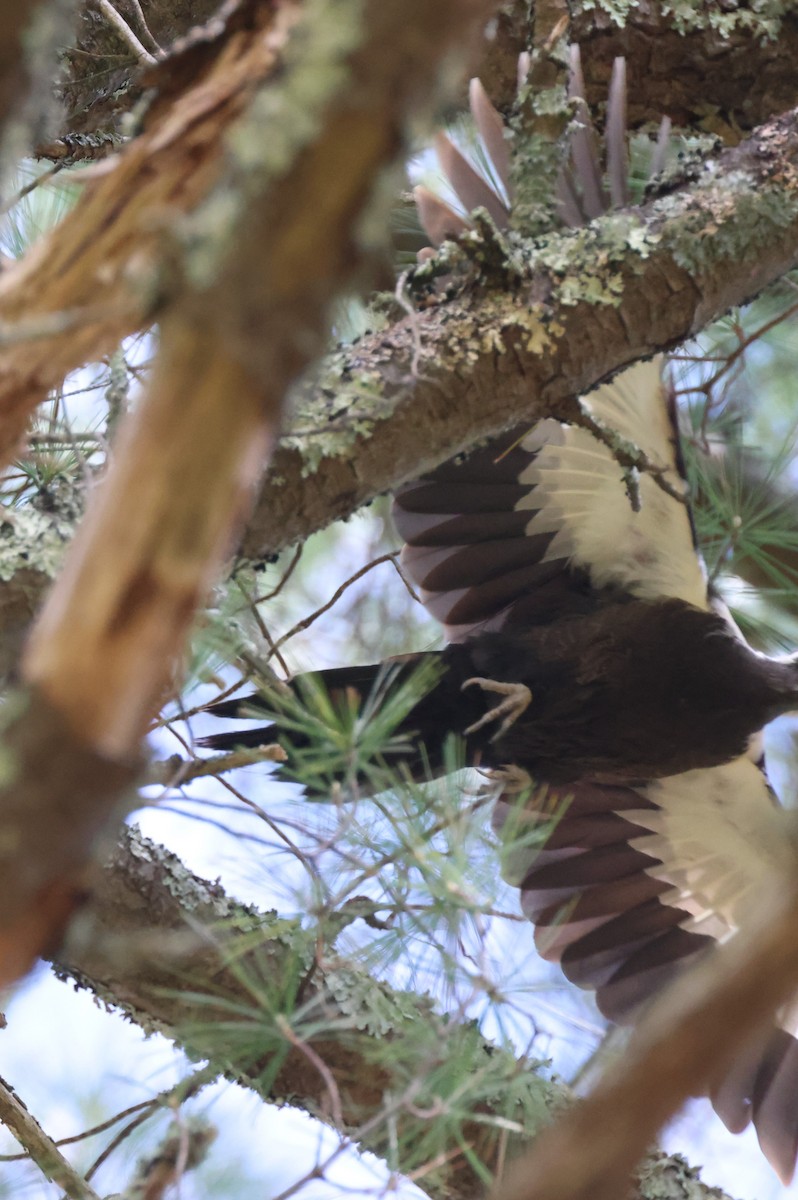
point(636, 883)
point(554, 498)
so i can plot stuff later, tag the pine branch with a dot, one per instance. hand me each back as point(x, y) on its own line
point(178, 956)
point(42, 1150)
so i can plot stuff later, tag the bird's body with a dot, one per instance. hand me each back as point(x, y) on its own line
point(635, 690)
point(633, 708)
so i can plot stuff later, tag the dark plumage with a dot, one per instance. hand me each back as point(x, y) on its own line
point(644, 702)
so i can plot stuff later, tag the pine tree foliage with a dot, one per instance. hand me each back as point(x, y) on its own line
point(389, 887)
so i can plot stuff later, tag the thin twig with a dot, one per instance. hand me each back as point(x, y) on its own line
point(252, 605)
point(292, 566)
point(40, 1147)
point(125, 32)
point(24, 191)
point(170, 1098)
point(145, 29)
point(175, 771)
point(627, 455)
point(336, 1111)
point(87, 1133)
point(183, 1149)
point(336, 596)
point(403, 301)
point(747, 341)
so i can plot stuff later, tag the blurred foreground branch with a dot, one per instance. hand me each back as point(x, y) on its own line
point(689, 1038)
point(247, 311)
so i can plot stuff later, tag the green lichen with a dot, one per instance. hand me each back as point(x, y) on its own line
point(730, 220)
point(331, 409)
point(370, 1005)
point(760, 18)
point(587, 263)
point(670, 1177)
point(757, 18)
point(539, 129)
point(285, 116)
point(617, 10)
point(34, 538)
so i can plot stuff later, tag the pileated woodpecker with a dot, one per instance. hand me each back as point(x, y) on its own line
point(585, 649)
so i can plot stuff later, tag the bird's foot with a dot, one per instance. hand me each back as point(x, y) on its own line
point(510, 779)
point(508, 711)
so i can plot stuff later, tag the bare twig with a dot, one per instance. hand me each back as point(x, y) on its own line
point(306, 622)
point(41, 1148)
point(175, 771)
point(318, 1063)
point(170, 1098)
point(125, 32)
point(144, 27)
point(630, 457)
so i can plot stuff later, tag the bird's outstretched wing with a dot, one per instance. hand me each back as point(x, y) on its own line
point(531, 525)
point(635, 882)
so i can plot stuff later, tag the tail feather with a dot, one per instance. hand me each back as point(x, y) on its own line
point(337, 681)
point(349, 690)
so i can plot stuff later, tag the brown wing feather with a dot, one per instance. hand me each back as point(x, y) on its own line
point(540, 523)
point(605, 906)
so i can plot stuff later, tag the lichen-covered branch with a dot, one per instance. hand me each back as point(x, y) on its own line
point(42, 1149)
point(587, 303)
point(721, 68)
point(178, 956)
point(284, 223)
point(568, 312)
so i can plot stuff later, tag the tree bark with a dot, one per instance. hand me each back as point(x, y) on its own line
point(246, 315)
point(176, 955)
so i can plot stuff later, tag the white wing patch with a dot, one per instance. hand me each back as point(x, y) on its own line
point(720, 836)
point(648, 553)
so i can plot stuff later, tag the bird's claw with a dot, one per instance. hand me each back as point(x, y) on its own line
point(509, 779)
point(518, 699)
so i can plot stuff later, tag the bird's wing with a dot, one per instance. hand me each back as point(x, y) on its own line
point(636, 883)
point(532, 525)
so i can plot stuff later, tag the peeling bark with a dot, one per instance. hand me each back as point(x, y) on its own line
point(246, 314)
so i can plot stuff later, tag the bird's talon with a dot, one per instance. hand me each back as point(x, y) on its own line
point(510, 779)
point(519, 697)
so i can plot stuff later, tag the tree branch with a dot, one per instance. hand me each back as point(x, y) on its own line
point(694, 66)
point(722, 70)
point(677, 263)
point(178, 956)
point(279, 232)
point(42, 1149)
point(585, 304)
